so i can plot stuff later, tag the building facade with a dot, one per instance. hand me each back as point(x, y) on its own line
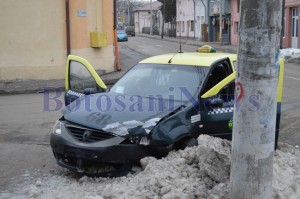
point(201, 28)
point(291, 24)
point(185, 18)
point(142, 18)
point(235, 17)
point(291, 27)
point(217, 8)
point(36, 36)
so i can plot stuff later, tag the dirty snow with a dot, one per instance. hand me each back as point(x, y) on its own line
point(290, 53)
point(198, 172)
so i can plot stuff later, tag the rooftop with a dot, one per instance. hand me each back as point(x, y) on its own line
point(147, 6)
point(189, 58)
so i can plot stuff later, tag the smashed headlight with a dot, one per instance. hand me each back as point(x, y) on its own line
point(57, 128)
point(139, 140)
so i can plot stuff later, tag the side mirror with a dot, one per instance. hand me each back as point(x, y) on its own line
point(216, 103)
point(89, 91)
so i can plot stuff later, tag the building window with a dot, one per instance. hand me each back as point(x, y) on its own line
point(182, 27)
point(192, 25)
point(238, 6)
point(294, 22)
point(283, 28)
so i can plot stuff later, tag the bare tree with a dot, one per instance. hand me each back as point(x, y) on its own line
point(125, 9)
point(254, 129)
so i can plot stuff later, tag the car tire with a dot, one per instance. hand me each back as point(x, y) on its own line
point(187, 142)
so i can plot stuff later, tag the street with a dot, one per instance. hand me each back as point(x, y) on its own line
point(26, 125)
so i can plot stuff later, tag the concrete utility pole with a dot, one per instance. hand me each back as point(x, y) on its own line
point(164, 18)
point(151, 18)
point(255, 103)
point(128, 13)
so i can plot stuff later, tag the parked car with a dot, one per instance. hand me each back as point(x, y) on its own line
point(163, 103)
point(130, 31)
point(122, 36)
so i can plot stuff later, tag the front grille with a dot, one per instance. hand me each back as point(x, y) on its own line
point(88, 135)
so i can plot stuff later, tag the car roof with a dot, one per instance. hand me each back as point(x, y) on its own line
point(189, 58)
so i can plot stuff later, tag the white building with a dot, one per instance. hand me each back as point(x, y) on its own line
point(201, 20)
point(185, 18)
point(142, 17)
point(190, 15)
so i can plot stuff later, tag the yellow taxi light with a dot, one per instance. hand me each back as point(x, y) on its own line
point(206, 49)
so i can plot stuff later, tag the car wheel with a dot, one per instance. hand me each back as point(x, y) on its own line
point(187, 142)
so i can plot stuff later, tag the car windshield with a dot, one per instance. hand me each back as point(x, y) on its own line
point(146, 80)
point(121, 31)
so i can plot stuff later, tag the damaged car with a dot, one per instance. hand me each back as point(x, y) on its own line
point(163, 103)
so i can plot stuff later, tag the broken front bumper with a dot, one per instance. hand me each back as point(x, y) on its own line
point(78, 156)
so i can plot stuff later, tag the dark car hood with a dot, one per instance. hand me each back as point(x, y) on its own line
point(116, 113)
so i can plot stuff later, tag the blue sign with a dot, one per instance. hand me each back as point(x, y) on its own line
point(81, 12)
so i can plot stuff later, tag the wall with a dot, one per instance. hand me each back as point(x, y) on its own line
point(100, 58)
point(141, 19)
point(201, 17)
point(235, 17)
point(184, 16)
point(214, 20)
point(33, 38)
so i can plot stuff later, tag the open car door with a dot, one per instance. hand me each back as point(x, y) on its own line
point(81, 79)
point(217, 100)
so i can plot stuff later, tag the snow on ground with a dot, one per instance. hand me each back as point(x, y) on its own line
point(198, 172)
point(290, 53)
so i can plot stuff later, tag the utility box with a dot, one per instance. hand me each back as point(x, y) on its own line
point(98, 39)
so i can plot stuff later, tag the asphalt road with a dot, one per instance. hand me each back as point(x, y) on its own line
point(26, 120)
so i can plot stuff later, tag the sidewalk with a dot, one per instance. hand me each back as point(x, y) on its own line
point(39, 86)
point(193, 42)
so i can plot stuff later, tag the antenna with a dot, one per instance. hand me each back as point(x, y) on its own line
point(170, 60)
point(180, 46)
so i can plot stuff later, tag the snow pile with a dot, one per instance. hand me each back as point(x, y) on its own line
point(198, 172)
point(290, 53)
point(286, 172)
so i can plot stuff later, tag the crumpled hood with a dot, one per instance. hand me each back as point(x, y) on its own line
point(117, 113)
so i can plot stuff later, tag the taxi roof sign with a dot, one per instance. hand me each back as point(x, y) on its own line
point(206, 49)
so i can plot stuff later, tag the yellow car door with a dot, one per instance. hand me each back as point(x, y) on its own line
point(81, 79)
